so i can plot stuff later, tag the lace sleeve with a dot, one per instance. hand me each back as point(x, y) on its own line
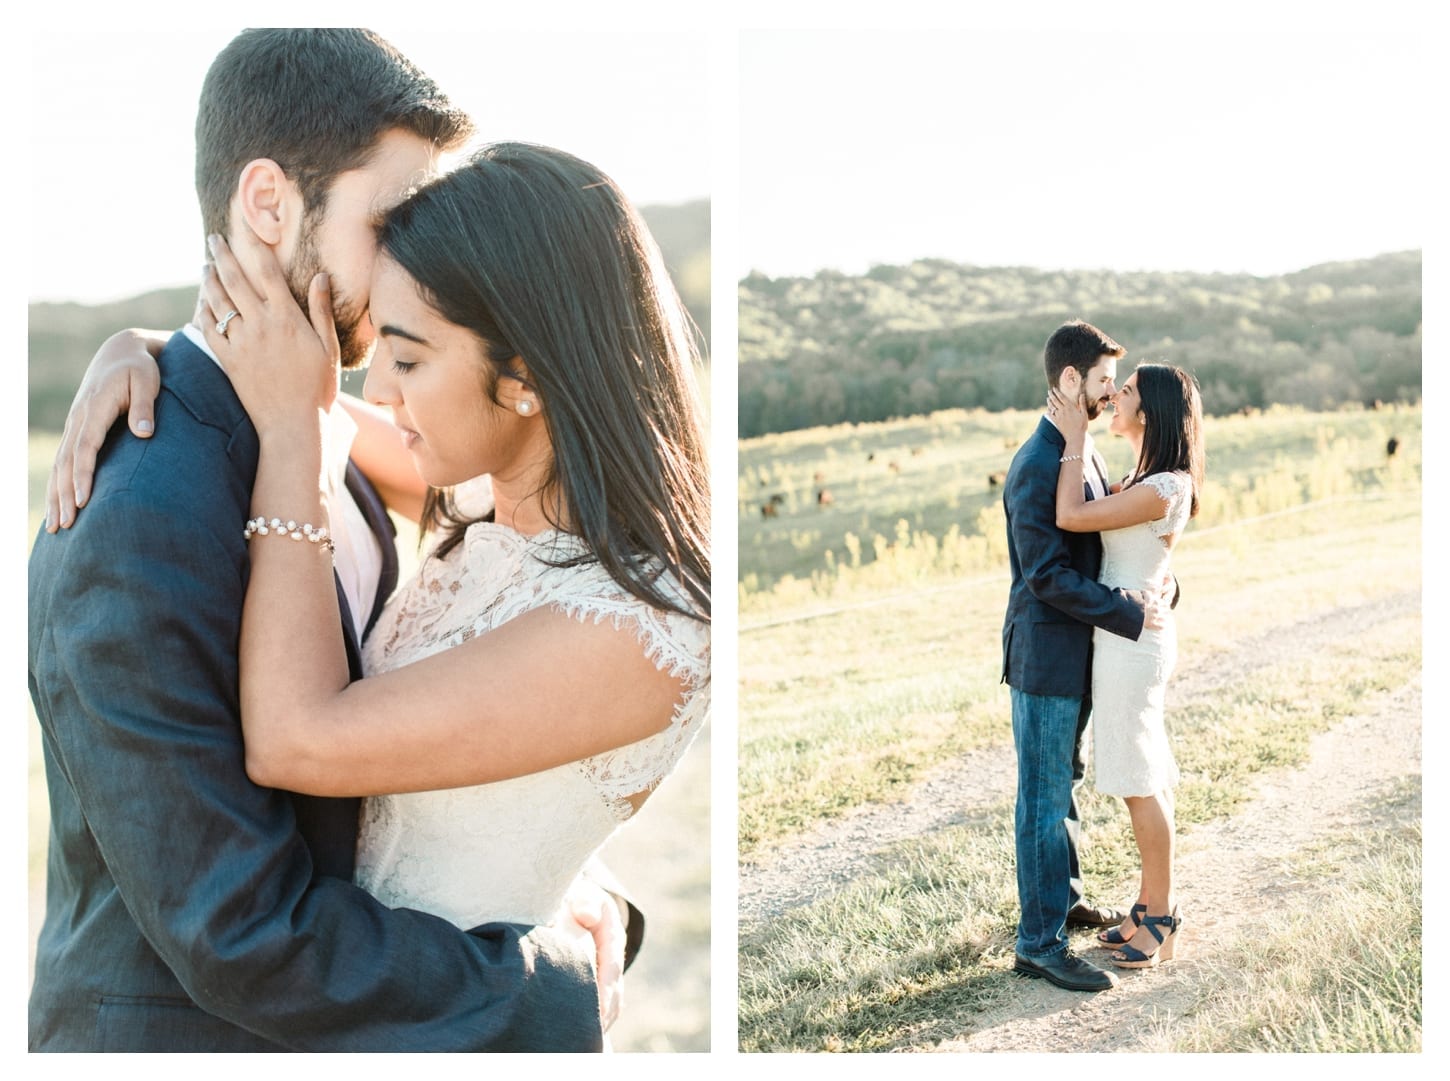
point(674, 643)
point(1174, 489)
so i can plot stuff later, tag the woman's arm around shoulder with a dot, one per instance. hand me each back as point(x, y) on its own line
point(544, 689)
point(1132, 505)
point(122, 379)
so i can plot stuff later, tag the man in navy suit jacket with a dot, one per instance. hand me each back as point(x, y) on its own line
point(1055, 602)
point(186, 908)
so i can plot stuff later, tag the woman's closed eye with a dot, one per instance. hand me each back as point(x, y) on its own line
point(403, 367)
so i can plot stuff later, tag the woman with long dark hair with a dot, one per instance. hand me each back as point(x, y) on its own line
point(548, 665)
point(1159, 413)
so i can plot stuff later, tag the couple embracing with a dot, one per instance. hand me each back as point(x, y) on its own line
point(290, 807)
point(1089, 633)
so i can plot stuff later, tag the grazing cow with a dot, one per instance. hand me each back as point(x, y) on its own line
point(777, 500)
point(1392, 446)
point(917, 452)
point(824, 498)
point(996, 480)
point(820, 477)
point(895, 467)
point(767, 510)
point(871, 457)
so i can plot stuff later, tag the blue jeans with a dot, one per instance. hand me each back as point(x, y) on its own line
point(1047, 731)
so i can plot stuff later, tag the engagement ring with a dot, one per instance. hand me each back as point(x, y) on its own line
point(221, 327)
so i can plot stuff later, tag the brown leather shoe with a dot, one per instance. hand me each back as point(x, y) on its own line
point(1086, 915)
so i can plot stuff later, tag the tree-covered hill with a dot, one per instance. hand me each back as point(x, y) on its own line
point(905, 340)
point(63, 337)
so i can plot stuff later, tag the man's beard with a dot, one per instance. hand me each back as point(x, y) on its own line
point(1094, 408)
point(306, 265)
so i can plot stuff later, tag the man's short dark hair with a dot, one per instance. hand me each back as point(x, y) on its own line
point(1076, 345)
point(314, 101)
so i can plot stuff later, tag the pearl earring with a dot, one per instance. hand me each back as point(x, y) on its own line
point(525, 407)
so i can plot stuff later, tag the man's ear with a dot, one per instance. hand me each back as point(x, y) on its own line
point(1070, 381)
point(268, 202)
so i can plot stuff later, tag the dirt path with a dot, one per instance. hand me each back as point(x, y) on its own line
point(1228, 871)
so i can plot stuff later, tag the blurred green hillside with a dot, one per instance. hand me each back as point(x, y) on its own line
point(902, 341)
point(63, 337)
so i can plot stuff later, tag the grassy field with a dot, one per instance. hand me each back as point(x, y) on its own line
point(931, 479)
point(870, 653)
point(1277, 994)
point(855, 676)
point(662, 858)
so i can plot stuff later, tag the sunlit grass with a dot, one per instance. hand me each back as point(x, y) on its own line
point(917, 945)
point(863, 673)
point(848, 708)
point(913, 500)
point(1338, 966)
point(914, 952)
point(895, 960)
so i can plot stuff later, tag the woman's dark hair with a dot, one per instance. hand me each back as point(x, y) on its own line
point(1173, 425)
point(542, 257)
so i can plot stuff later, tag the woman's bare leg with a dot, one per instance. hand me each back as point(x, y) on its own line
point(1152, 818)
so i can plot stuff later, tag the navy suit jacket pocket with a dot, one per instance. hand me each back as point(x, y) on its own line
point(1045, 651)
point(1062, 656)
point(146, 1023)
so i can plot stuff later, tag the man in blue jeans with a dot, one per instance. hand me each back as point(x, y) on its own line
point(1053, 606)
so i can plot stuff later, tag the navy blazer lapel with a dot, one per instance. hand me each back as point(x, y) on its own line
point(349, 631)
point(371, 505)
point(1048, 431)
point(198, 381)
point(1102, 470)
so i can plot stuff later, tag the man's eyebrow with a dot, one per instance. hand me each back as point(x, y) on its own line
point(390, 331)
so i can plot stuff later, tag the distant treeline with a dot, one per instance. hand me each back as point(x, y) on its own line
point(64, 337)
point(905, 340)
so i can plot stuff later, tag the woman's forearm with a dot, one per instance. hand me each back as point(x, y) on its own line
point(1069, 483)
point(292, 652)
point(379, 453)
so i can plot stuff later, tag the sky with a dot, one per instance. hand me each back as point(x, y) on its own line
point(1175, 147)
point(1183, 147)
point(112, 207)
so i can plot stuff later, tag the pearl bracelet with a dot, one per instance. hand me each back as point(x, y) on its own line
point(1069, 458)
point(261, 526)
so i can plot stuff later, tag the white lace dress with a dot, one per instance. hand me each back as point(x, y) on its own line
point(1131, 755)
point(508, 851)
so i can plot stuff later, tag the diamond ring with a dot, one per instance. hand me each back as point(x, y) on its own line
point(221, 327)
